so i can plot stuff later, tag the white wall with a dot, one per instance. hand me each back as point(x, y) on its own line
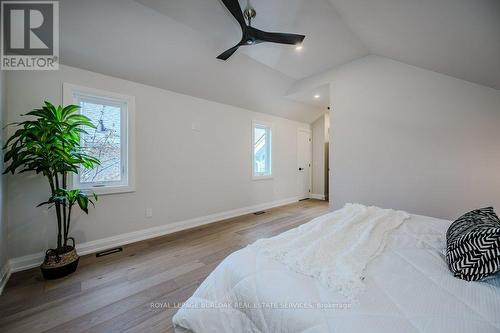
point(408, 138)
point(318, 155)
point(3, 223)
point(180, 173)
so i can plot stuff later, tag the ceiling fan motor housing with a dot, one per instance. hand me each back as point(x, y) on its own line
point(250, 13)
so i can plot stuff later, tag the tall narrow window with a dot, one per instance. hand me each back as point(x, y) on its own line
point(262, 150)
point(109, 141)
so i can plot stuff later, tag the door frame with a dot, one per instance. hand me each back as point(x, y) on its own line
point(309, 132)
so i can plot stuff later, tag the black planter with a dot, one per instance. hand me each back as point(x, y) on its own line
point(60, 262)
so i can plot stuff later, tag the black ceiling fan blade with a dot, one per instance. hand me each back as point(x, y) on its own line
point(276, 37)
point(234, 7)
point(226, 54)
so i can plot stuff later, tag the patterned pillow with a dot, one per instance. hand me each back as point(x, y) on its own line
point(473, 245)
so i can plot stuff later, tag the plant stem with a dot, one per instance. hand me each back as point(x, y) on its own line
point(67, 227)
point(58, 213)
point(63, 174)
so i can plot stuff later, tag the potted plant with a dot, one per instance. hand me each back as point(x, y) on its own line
point(49, 144)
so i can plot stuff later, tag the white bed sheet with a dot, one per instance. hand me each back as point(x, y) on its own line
point(409, 289)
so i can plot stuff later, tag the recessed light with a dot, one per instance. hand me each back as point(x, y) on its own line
point(298, 47)
point(317, 96)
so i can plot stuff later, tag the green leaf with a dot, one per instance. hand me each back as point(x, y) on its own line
point(83, 202)
point(48, 143)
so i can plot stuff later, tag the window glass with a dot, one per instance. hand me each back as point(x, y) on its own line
point(103, 142)
point(261, 150)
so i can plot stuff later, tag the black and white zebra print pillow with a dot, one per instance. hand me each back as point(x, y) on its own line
point(473, 245)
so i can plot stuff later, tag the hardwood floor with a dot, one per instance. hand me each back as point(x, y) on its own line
point(114, 293)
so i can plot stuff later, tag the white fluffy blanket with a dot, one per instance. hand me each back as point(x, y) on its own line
point(335, 248)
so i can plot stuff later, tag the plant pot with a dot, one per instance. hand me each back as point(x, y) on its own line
point(60, 262)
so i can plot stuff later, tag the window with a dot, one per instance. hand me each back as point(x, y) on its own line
point(262, 150)
point(110, 141)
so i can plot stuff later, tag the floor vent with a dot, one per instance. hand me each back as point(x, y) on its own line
point(108, 252)
point(259, 213)
point(304, 199)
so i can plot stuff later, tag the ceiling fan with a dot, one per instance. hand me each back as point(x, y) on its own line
point(252, 36)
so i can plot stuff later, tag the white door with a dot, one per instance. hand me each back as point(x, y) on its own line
point(304, 164)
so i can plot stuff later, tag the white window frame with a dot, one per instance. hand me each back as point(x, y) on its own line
point(71, 94)
point(269, 125)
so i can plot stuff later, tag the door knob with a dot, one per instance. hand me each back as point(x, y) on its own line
point(300, 169)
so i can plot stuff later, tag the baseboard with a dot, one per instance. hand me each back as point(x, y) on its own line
point(33, 260)
point(317, 196)
point(4, 276)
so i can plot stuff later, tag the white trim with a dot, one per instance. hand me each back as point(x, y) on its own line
point(317, 196)
point(271, 149)
point(33, 260)
point(109, 189)
point(4, 276)
point(262, 177)
point(69, 91)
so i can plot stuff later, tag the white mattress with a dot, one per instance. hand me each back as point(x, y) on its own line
point(409, 289)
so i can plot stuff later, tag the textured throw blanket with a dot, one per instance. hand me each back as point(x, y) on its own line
point(335, 248)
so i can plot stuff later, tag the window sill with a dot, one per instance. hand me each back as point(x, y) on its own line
point(105, 190)
point(262, 178)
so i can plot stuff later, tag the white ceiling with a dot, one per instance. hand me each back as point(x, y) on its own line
point(126, 39)
point(329, 42)
point(308, 96)
point(460, 38)
point(172, 44)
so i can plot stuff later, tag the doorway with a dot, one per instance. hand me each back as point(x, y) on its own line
point(304, 156)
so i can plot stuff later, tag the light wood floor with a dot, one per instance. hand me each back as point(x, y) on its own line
point(114, 293)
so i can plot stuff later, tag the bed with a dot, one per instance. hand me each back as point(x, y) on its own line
point(408, 289)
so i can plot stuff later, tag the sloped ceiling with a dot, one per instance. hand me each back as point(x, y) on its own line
point(316, 94)
point(460, 38)
point(172, 44)
point(126, 39)
point(329, 42)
